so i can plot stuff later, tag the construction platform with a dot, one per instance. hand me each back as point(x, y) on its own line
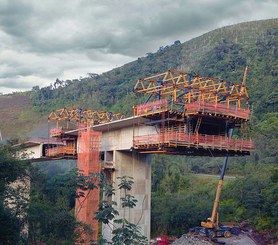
point(199, 129)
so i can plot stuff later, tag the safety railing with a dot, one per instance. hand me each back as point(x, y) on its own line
point(194, 140)
point(150, 108)
point(60, 150)
point(217, 108)
point(55, 131)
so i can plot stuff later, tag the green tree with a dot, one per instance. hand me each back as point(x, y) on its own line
point(123, 231)
point(267, 138)
point(50, 213)
point(12, 203)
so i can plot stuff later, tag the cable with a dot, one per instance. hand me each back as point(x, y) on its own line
point(81, 203)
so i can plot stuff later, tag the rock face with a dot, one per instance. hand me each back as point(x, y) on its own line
point(190, 240)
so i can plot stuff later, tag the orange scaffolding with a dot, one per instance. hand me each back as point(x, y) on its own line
point(88, 162)
point(178, 139)
point(205, 107)
point(151, 107)
point(201, 107)
point(194, 108)
point(61, 150)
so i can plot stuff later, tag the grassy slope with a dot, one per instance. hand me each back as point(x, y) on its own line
point(17, 116)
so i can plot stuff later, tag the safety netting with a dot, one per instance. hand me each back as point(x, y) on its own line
point(88, 164)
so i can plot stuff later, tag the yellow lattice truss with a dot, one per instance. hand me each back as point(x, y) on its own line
point(181, 87)
point(84, 116)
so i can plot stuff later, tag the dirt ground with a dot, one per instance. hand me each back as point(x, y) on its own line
point(11, 109)
point(242, 239)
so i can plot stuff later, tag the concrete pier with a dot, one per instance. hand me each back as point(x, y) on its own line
point(116, 148)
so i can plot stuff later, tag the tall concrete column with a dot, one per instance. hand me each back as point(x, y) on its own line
point(137, 166)
point(117, 147)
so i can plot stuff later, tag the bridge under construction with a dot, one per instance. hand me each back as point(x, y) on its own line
point(176, 113)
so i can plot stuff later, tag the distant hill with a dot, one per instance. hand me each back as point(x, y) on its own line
point(223, 53)
point(17, 116)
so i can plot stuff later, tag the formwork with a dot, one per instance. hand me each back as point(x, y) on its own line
point(192, 144)
point(192, 115)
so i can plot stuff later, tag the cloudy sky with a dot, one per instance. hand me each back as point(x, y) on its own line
point(41, 40)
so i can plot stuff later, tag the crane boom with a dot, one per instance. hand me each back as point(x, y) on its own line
point(212, 222)
point(244, 76)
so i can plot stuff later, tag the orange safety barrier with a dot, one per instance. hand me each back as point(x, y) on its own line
point(55, 131)
point(60, 150)
point(194, 140)
point(216, 108)
point(151, 107)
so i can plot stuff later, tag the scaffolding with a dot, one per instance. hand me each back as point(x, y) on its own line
point(88, 163)
point(73, 129)
point(150, 108)
point(217, 109)
point(192, 114)
point(193, 144)
point(62, 151)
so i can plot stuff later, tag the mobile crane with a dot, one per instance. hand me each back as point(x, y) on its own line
point(212, 227)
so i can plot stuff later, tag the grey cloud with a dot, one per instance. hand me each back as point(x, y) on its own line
point(114, 25)
point(14, 83)
point(14, 16)
point(50, 38)
point(13, 73)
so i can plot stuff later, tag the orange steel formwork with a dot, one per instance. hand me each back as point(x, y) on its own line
point(193, 114)
point(88, 162)
point(197, 107)
point(217, 109)
point(81, 142)
point(183, 142)
point(62, 150)
point(151, 107)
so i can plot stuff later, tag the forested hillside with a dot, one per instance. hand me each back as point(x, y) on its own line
point(221, 53)
point(181, 200)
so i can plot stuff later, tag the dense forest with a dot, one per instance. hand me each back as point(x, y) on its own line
point(181, 199)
